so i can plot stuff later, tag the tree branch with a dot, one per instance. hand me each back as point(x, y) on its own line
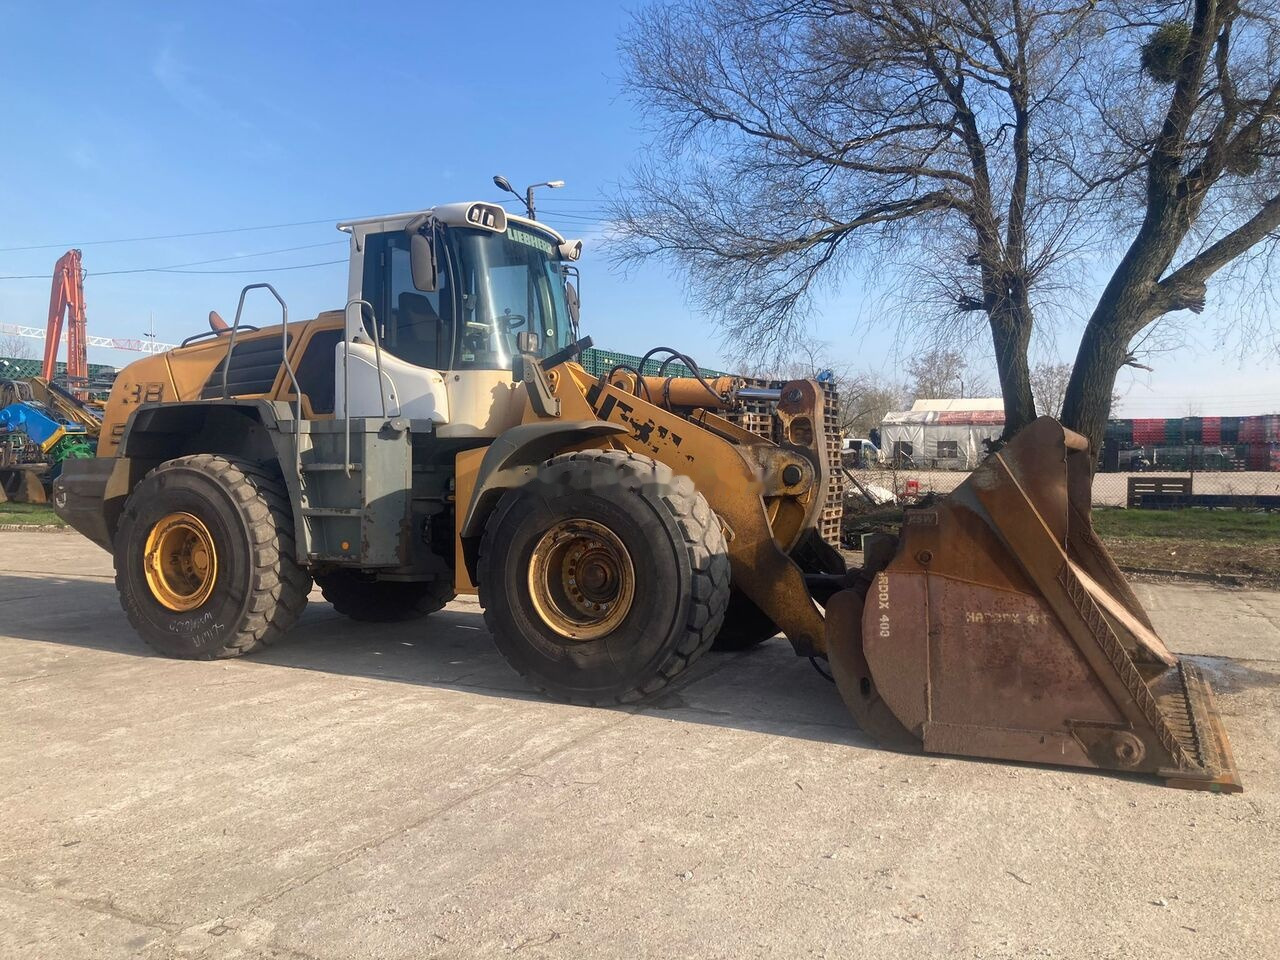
point(1184, 289)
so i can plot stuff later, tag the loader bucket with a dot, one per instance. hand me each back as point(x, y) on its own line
point(1001, 627)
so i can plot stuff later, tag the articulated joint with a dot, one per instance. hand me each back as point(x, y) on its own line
point(784, 473)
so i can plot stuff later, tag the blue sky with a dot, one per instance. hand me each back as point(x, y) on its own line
point(128, 120)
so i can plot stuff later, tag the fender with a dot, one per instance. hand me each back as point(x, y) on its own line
point(90, 495)
point(511, 460)
point(158, 431)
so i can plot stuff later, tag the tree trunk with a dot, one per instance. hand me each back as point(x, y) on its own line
point(1087, 403)
point(1011, 335)
point(1126, 306)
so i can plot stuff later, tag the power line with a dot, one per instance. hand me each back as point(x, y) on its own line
point(170, 236)
point(550, 198)
point(574, 217)
point(553, 206)
point(550, 206)
point(177, 267)
point(297, 266)
point(265, 226)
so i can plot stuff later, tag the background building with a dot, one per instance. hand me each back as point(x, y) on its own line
point(942, 434)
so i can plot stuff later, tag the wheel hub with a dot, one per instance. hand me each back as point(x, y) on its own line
point(180, 562)
point(581, 579)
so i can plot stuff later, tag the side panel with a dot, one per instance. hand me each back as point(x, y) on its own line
point(410, 391)
point(313, 364)
point(311, 347)
point(482, 403)
point(193, 373)
point(362, 518)
point(79, 496)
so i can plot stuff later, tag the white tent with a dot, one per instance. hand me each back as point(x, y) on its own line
point(942, 434)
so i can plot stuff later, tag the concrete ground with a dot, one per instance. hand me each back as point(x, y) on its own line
point(397, 792)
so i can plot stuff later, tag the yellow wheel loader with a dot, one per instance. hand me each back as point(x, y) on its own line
point(437, 437)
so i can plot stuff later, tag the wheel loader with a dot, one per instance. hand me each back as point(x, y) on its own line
point(438, 436)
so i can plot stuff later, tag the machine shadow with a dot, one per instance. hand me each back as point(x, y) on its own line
point(767, 690)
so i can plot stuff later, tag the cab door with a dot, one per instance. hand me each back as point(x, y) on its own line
point(414, 330)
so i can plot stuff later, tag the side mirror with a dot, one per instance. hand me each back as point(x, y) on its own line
point(571, 301)
point(422, 262)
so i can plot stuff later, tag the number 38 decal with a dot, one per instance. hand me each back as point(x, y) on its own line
point(144, 393)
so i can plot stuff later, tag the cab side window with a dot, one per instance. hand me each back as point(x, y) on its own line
point(415, 326)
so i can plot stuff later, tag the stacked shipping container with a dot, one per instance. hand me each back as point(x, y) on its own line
point(1253, 442)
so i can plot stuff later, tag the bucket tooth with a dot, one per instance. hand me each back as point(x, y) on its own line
point(1002, 628)
point(1187, 699)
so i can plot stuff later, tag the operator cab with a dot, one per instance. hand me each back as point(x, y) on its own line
point(445, 293)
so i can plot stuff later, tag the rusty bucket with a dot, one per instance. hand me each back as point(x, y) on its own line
point(998, 626)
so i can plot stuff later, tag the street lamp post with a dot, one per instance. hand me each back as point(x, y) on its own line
point(502, 183)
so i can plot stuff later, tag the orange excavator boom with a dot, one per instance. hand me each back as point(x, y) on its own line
point(66, 303)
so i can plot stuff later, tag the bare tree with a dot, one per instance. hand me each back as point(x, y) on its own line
point(982, 155)
point(1192, 146)
point(800, 137)
point(1049, 385)
point(15, 347)
point(941, 373)
point(865, 402)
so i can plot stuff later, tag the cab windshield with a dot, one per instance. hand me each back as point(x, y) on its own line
point(506, 284)
point(491, 287)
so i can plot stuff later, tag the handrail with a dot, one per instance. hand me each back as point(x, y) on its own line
point(346, 375)
point(284, 353)
point(209, 333)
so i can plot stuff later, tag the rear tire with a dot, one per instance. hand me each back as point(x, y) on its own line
point(604, 577)
point(360, 597)
point(745, 626)
point(204, 558)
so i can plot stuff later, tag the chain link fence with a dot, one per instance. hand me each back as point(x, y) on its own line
point(1244, 476)
point(1160, 487)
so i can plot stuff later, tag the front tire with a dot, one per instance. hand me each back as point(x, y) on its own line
point(604, 577)
point(361, 597)
point(204, 558)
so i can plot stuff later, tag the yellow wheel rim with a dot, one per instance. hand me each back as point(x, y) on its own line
point(180, 562)
point(581, 580)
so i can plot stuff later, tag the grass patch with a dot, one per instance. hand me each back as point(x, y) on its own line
point(1219, 526)
point(29, 514)
point(1195, 541)
point(1245, 545)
